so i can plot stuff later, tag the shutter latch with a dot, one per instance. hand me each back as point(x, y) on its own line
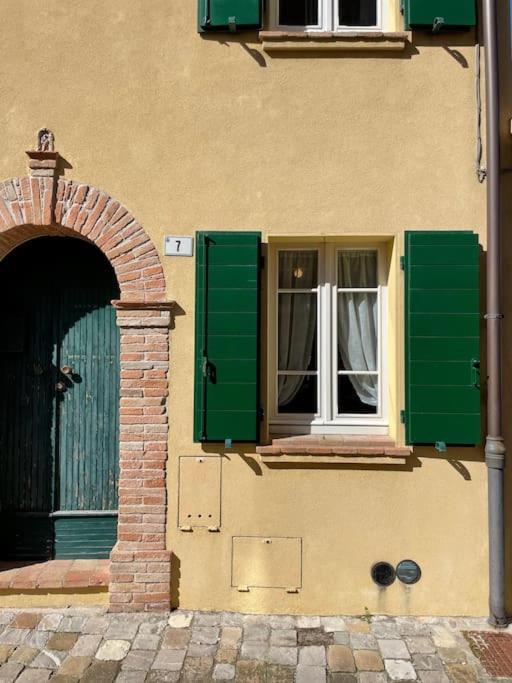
point(232, 24)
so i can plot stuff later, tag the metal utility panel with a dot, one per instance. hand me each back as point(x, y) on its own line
point(229, 15)
point(199, 491)
point(426, 13)
point(266, 562)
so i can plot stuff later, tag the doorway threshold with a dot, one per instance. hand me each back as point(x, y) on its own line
point(29, 575)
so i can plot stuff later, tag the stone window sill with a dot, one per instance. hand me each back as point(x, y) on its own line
point(299, 41)
point(334, 449)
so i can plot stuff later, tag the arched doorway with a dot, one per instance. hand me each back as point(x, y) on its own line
point(59, 398)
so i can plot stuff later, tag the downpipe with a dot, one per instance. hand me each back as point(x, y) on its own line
point(495, 450)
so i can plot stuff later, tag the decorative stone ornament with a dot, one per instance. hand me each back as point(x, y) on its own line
point(45, 140)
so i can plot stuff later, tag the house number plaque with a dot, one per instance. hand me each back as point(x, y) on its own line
point(179, 246)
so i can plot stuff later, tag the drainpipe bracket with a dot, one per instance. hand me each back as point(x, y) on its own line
point(495, 452)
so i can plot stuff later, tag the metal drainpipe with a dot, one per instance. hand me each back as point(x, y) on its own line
point(494, 445)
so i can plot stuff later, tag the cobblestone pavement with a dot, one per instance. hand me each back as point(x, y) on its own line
point(89, 645)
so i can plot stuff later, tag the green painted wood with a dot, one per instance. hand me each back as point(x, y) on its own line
point(59, 451)
point(455, 13)
point(442, 335)
point(226, 397)
point(217, 15)
point(84, 537)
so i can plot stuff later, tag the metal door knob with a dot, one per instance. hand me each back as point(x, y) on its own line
point(67, 370)
point(60, 387)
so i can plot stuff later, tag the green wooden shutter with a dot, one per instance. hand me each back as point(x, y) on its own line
point(226, 404)
point(442, 334)
point(229, 15)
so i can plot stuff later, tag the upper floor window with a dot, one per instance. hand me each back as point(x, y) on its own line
point(327, 15)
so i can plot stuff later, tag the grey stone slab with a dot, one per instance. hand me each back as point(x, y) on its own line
point(308, 622)
point(310, 674)
point(433, 677)
point(283, 638)
point(363, 641)
point(257, 651)
point(154, 626)
point(86, 645)
point(231, 619)
point(145, 641)
point(14, 636)
point(282, 655)
point(138, 660)
point(50, 622)
point(231, 636)
point(393, 649)
point(400, 670)
point(206, 619)
point(180, 619)
point(169, 660)
point(163, 676)
point(429, 662)
point(131, 677)
point(385, 629)
point(341, 637)
point(6, 616)
point(95, 626)
point(282, 622)
point(258, 632)
point(34, 676)
point(206, 635)
point(223, 672)
point(372, 677)
point(113, 650)
point(198, 650)
point(48, 659)
point(420, 645)
point(312, 655)
point(333, 624)
point(122, 629)
point(38, 639)
point(71, 624)
point(10, 671)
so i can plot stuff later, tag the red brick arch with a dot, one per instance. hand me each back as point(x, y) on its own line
point(42, 204)
point(35, 205)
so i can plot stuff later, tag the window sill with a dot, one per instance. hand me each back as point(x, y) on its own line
point(299, 41)
point(373, 450)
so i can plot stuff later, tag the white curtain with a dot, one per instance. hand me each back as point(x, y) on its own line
point(297, 319)
point(358, 321)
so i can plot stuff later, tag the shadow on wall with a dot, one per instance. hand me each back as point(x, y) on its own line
point(505, 44)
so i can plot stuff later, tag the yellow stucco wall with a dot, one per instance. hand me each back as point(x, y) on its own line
point(211, 133)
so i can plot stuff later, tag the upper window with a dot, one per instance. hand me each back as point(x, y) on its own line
point(327, 15)
point(329, 338)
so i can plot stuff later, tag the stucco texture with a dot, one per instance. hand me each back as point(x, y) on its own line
point(194, 133)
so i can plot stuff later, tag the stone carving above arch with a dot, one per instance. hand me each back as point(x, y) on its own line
point(43, 200)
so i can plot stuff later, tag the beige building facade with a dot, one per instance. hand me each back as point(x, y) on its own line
point(332, 144)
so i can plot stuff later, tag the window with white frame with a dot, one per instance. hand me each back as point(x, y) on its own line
point(327, 15)
point(327, 352)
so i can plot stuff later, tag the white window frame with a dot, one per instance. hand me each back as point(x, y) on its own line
point(328, 18)
point(326, 421)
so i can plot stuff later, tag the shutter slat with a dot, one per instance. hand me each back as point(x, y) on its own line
point(442, 325)
point(226, 403)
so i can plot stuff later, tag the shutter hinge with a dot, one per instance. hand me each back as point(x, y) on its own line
point(403, 416)
point(261, 414)
point(402, 262)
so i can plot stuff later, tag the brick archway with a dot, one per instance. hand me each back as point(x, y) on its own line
point(42, 204)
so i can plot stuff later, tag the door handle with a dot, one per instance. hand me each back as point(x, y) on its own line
point(66, 370)
point(60, 387)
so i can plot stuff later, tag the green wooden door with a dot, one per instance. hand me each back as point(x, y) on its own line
point(59, 396)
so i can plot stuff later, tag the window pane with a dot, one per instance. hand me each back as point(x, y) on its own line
point(298, 12)
point(297, 332)
point(357, 394)
point(297, 394)
point(357, 268)
point(298, 269)
point(358, 12)
point(358, 331)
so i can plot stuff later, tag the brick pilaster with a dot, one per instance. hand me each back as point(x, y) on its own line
point(140, 563)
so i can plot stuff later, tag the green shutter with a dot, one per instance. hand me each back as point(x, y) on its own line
point(229, 15)
point(442, 335)
point(445, 14)
point(226, 403)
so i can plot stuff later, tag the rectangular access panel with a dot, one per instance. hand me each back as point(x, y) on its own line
point(226, 387)
point(442, 337)
point(266, 562)
point(229, 15)
point(427, 13)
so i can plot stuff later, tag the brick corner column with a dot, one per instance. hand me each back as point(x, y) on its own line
point(140, 569)
point(43, 167)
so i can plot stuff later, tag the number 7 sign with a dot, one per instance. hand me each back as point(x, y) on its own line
point(179, 246)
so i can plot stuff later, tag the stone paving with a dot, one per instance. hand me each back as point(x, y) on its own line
point(90, 645)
